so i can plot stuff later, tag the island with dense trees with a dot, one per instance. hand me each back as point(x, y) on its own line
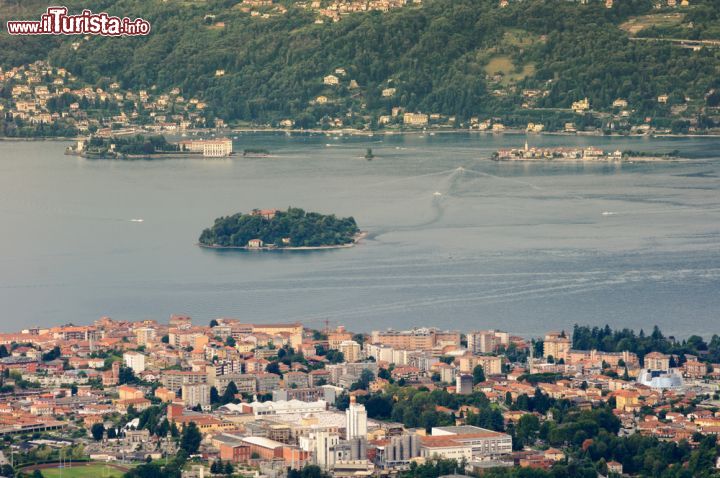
point(294, 229)
point(124, 147)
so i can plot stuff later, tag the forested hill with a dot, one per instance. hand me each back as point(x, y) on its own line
point(459, 58)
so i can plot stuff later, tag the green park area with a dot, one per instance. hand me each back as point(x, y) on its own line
point(95, 470)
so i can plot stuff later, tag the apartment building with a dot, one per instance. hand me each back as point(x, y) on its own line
point(487, 341)
point(657, 361)
point(416, 339)
point(175, 379)
point(350, 350)
point(491, 365)
point(556, 345)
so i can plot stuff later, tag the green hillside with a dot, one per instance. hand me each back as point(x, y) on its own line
point(457, 58)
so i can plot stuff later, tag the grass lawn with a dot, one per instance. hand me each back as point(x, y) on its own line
point(503, 64)
point(92, 471)
point(635, 24)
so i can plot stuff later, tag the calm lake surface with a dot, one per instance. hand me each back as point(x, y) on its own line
point(455, 240)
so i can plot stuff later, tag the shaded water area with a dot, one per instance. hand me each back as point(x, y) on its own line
point(455, 239)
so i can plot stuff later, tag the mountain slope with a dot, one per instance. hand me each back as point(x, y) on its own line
point(440, 58)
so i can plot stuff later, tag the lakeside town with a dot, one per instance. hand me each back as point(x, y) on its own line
point(39, 100)
point(243, 399)
point(468, 239)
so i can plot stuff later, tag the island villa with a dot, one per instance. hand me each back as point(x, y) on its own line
point(210, 148)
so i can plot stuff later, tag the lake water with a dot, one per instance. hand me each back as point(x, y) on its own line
point(520, 247)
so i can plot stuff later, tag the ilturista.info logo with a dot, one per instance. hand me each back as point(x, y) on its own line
point(57, 21)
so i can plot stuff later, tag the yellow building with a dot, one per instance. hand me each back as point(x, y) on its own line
point(626, 400)
point(350, 350)
point(556, 345)
point(294, 331)
point(657, 361)
point(415, 119)
point(491, 365)
point(144, 336)
point(164, 394)
point(331, 80)
point(580, 106)
point(338, 337)
point(129, 393)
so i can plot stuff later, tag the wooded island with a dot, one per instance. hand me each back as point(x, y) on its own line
point(276, 229)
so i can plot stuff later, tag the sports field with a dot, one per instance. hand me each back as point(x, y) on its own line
point(95, 470)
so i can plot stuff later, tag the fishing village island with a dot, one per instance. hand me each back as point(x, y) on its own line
point(587, 153)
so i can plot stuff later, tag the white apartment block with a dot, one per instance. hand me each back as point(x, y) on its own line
point(135, 361)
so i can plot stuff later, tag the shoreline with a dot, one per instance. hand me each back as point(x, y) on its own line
point(148, 157)
point(356, 240)
point(41, 138)
point(359, 132)
point(432, 131)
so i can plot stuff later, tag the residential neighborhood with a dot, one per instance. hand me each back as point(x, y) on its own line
point(41, 100)
point(50, 100)
point(265, 397)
